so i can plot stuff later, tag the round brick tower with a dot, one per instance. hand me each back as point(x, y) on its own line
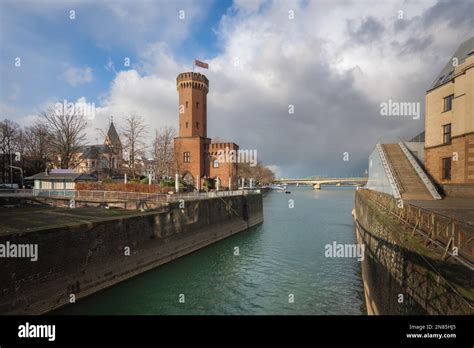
point(192, 144)
point(192, 88)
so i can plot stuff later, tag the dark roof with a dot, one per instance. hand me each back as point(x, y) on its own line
point(62, 176)
point(464, 50)
point(113, 135)
point(93, 151)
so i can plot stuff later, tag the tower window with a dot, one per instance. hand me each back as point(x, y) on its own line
point(186, 105)
point(197, 105)
point(187, 157)
point(448, 102)
point(447, 133)
point(197, 125)
point(215, 164)
point(186, 124)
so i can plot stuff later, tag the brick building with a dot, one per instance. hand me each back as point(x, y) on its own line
point(197, 155)
point(449, 121)
point(101, 160)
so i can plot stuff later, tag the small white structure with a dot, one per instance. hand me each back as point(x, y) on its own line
point(59, 179)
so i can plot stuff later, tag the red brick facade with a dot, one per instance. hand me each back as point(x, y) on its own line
point(224, 170)
point(195, 153)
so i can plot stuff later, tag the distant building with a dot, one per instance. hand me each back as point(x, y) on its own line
point(59, 179)
point(148, 169)
point(197, 156)
point(449, 121)
point(101, 160)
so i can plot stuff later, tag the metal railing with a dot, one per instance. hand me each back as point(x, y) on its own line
point(96, 195)
point(120, 196)
point(53, 193)
point(206, 195)
point(16, 192)
point(390, 173)
point(421, 173)
point(444, 230)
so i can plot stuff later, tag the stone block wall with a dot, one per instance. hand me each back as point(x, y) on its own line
point(83, 259)
point(401, 274)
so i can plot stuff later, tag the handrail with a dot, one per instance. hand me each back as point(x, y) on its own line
point(421, 173)
point(428, 220)
point(389, 171)
point(130, 196)
point(214, 194)
point(16, 191)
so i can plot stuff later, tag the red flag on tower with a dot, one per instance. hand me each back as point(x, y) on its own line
point(201, 64)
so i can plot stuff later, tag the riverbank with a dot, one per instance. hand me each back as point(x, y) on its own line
point(411, 266)
point(83, 253)
point(254, 272)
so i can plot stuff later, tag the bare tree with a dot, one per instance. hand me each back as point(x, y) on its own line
point(20, 147)
point(260, 173)
point(67, 128)
point(134, 134)
point(163, 153)
point(8, 137)
point(38, 146)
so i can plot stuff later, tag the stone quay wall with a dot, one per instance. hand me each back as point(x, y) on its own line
point(77, 261)
point(406, 269)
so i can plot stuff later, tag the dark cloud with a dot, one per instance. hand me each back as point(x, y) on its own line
point(366, 30)
point(331, 117)
point(400, 25)
point(456, 13)
point(413, 45)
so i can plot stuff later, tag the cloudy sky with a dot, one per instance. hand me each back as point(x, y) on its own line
point(332, 62)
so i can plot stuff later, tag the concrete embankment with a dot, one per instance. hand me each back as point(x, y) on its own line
point(77, 260)
point(417, 261)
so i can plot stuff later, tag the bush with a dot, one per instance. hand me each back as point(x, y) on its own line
point(108, 181)
point(167, 183)
point(129, 187)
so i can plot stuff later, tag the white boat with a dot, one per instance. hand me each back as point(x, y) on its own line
point(282, 188)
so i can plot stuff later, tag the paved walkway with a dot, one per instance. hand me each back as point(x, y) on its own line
point(455, 207)
point(33, 218)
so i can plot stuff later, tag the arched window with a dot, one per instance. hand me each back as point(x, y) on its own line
point(215, 164)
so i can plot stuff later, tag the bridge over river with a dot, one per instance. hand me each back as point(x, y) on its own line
point(316, 182)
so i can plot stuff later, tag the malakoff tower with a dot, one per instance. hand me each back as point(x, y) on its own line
point(195, 152)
